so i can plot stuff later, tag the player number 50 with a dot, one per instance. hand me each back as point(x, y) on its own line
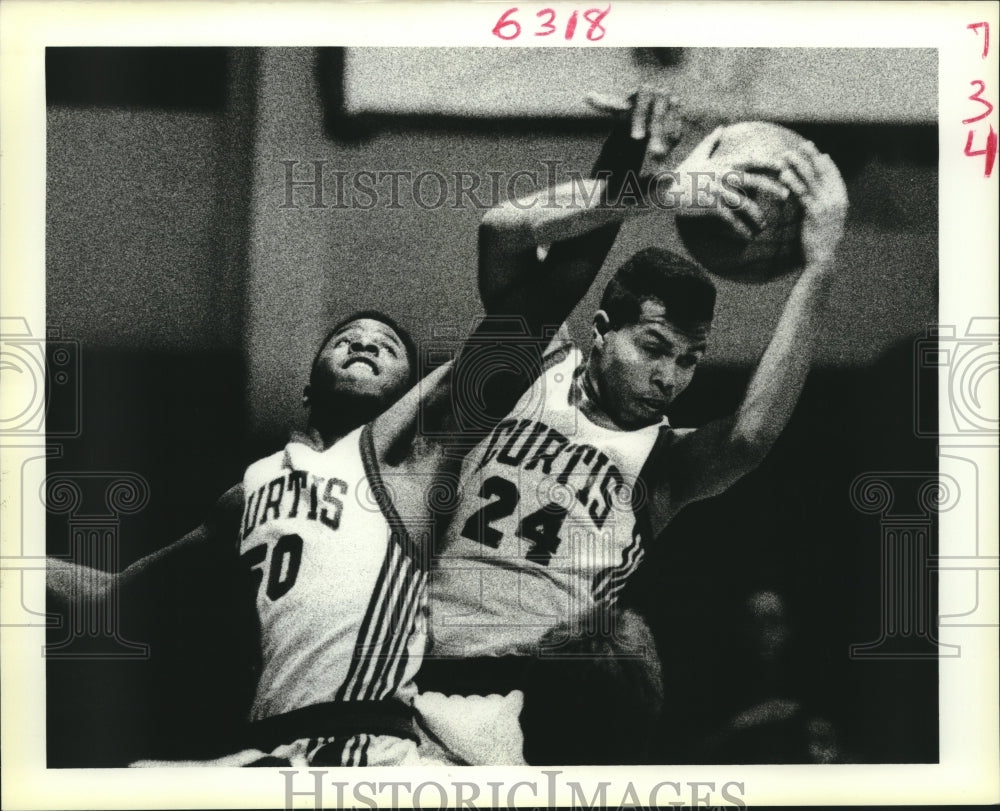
point(509, 28)
point(282, 570)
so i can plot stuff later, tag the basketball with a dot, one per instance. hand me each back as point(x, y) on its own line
point(775, 251)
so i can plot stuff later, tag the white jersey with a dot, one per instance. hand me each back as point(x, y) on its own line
point(340, 585)
point(549, 523)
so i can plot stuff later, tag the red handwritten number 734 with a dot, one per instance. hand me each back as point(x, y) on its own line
point(989, 151)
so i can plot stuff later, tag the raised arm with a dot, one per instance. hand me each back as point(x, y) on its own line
point(450, 407)
point(526, 298)
point(580, 219)
point(707, 461)
point(68, 581)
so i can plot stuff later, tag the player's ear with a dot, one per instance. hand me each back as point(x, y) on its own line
point(602, 323)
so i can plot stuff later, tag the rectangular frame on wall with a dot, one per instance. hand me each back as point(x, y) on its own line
point(785, 84)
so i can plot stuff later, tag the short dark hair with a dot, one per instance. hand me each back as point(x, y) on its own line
point(375, 315)
point(683, 287)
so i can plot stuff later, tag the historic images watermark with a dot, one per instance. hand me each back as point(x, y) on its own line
point(962, 361)
point(549, 792)
point(314, 184)
point(34, 366)
point(969, 360)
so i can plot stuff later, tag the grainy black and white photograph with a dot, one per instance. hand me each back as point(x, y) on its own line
point(537, 402)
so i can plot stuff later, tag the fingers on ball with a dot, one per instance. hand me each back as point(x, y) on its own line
point(763, 184)
point(736, 223)
point(759, 163)
point(802, 166)
point(752, 213)
point(790, 179)
point(797, 173)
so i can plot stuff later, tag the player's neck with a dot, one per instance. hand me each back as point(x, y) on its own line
point(326, 438)
point(330, 422)
point(586, 394)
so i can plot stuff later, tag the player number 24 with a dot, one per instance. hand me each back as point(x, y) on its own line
point(540, 527)
point(508, 27)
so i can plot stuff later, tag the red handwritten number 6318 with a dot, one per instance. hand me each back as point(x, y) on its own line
point(509, 28)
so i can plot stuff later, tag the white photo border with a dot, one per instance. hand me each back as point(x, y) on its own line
point(968, 259)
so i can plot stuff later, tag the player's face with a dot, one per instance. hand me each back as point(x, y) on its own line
point(366, 358)
point(641, 368)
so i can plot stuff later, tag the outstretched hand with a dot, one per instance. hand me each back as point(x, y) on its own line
point(653, 113)
point(815, 180)
point(696, 186)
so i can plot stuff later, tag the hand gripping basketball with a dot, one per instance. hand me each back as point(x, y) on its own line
point(819, 187)
point(713, 185)
point(770, 161)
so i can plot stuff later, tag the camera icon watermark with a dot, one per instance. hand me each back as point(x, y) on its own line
point(970, 363)
point(41, 381)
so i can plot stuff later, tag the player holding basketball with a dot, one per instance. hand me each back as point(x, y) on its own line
point(330, 528)
point(562, 496)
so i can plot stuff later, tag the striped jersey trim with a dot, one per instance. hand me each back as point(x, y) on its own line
point(389, 623)
point(369, 460)
point(382, 650)
point(356, 751)
point(609, 583)
point(351, 751)
point(390, 620)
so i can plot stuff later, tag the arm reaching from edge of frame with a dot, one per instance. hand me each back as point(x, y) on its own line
point(68, 581)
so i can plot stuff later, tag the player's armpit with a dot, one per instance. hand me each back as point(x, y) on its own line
point(696, 465)
point(507, 255)
point(417, 423)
